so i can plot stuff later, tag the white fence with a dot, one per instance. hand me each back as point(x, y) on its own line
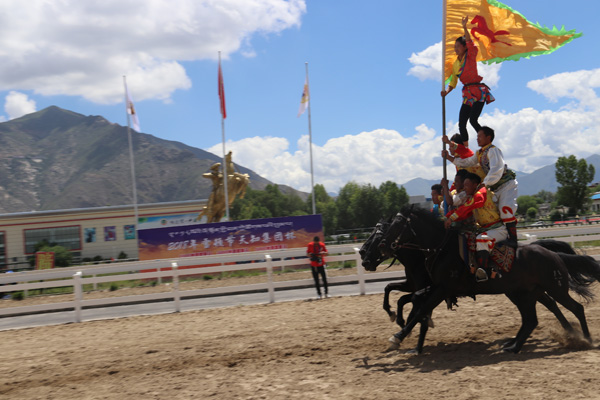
point(76, 277)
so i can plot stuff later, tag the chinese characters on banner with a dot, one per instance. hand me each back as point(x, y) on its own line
point(44, 260)
point(181, 236)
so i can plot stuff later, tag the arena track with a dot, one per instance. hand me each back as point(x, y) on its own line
point(326, 349)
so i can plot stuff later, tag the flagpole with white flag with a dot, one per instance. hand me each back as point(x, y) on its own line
point(304, 104)
point(444, 84)
point(223, 116)
point(132, 117)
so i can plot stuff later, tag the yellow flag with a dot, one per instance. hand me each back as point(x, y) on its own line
point(500, 32)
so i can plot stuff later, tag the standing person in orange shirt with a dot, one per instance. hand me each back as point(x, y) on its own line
point(316, 250)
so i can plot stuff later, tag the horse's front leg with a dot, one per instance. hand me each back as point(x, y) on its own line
point(394, 286)
point(386, 299)
point(402, 301)
point(421, 309)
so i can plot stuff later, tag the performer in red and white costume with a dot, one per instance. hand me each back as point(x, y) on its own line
point(501, 180)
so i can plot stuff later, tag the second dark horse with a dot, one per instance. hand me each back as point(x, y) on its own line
point(539, 274)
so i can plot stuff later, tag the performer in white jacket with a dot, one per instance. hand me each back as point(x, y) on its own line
point(499, 179)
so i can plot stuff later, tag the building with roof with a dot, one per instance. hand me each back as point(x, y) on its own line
point(85, 232)
point(595, 207)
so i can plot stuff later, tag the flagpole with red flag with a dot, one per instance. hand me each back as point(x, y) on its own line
point(223, 116)
point(312, 175)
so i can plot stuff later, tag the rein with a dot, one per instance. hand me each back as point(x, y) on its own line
point(392, 263)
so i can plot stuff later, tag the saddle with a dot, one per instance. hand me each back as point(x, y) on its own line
point(502, 256)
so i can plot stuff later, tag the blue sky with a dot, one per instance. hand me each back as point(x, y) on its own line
point(374, 77)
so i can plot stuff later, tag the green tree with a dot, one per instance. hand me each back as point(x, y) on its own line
point(267, 203)
point(394, 198)
point(532, 212)
point(250, 207)
point(345, 216)
point(555, 216)
point(274, 201)
point(524, 203)
point(574, 176)
point(325, 206)
point(545, 196)
point(329, 212)
point(293, 205)
point(321, 194)
point(366, 206)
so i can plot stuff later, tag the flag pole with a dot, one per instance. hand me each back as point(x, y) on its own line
point(444, 83)
point(131, 161)
point(312, 176)
point(223, 116)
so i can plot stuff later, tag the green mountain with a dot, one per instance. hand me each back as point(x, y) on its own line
point(57, 159)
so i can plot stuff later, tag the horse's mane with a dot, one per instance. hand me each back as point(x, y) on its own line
point(424, 215)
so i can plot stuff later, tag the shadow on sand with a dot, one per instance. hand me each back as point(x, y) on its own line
point(454, 357)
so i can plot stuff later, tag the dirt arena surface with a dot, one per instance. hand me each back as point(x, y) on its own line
point(316, 349)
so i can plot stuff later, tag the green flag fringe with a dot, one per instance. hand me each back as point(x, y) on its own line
point(554, 32)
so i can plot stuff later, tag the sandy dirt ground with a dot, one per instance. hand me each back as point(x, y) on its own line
point(315, 349)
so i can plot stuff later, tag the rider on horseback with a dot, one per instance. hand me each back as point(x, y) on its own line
point(456, 195)
point(437, 198)
point(486, 214)
point(499, 178)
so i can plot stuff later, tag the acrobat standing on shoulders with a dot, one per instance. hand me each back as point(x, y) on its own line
point(475, 93)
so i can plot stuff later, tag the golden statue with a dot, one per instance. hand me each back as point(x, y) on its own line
point(236, 186)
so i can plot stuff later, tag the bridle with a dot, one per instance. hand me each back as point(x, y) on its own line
point(380, 233)
point(431, 253)
point(396, 243)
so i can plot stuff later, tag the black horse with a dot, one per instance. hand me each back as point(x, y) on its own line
point(418, 282)
point(536, 274)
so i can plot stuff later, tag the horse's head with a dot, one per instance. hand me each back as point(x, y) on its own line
point(400, 231)
point(415, 228)
point(370, 252)
point(477, 20)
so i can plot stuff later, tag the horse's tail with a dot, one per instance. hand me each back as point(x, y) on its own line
point(583, 271)
point(557, 246)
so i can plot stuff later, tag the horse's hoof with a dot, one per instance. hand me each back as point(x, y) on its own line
point(392, 316)
point(394, 343)
point(510, 349)
point(412, 351)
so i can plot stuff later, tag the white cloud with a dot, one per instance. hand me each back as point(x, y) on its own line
point(529, 139)
point(82, 48)
point(368, 157)
point(577, 85)
point(427, 65)
point(18, 104)
point(535, 138)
